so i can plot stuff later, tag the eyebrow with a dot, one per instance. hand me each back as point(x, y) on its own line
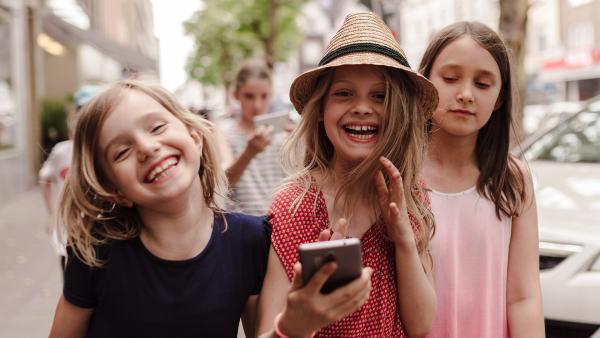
point(118, 138)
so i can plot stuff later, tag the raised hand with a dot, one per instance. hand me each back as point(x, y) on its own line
point(392, 202)
point(259, 140)
point(307, 309)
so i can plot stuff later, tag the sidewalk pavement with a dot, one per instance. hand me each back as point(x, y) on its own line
point(30, 277)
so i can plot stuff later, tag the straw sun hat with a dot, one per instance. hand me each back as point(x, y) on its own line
point(363, 39)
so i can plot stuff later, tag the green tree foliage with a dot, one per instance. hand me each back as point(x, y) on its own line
point(226, 32)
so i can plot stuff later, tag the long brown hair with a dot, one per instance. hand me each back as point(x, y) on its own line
point(402, 130)
point(500, 179)
point(87, 206)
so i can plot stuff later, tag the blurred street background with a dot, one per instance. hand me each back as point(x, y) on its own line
point(51, 48)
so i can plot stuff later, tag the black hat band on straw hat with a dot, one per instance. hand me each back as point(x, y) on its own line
point(364, 47)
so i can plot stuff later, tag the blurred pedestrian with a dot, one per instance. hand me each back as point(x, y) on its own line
point(363, 116)
point(485, 248)
point(54, 170)
point(252, 154)
point(151, 252)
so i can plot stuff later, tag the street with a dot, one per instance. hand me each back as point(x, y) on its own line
point(30, 281)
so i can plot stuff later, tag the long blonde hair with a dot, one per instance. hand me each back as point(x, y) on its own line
point(87, 206)
point(403, 132)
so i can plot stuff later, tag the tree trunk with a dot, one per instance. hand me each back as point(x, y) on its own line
point(272, 35)
point(513, 27)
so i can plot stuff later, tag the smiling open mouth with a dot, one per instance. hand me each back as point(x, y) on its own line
point(361, 132)
point(162, 170)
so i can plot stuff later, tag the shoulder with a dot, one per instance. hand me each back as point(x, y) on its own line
point(63, 147)
point(301, 191)
point(521, 171)
point(248, 228)
point(226, 123)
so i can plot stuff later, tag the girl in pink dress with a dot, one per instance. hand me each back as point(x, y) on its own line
point(485, 249)
point(364, 114)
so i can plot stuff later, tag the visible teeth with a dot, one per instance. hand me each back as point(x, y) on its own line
point(361, 128)
point(162, 169)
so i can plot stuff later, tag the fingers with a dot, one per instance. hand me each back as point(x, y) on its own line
point(264, 130)
point(353, 294)
point(396, 191)
point(324, 235)
point(320, 277)
point(340, 229)
point(382, 190)
point(297, 278)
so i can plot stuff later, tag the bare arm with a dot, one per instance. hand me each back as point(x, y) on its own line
point(70, 321)
point(523, 295)
point(46, 188)
point(249, 316)
point(273, 295)
point(258, 142)
point(416, 295)
point(304, 310)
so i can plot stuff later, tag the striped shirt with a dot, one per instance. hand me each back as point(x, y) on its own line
point(253, 193)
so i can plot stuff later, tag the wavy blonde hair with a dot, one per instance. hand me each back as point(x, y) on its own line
point(87, 205)
point(403, 132)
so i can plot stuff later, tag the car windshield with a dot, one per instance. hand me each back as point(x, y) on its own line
point(577, 140)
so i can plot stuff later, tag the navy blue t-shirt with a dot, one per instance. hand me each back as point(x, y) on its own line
point(136, 294)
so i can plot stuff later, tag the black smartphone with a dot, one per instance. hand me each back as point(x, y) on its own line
point(345, 252)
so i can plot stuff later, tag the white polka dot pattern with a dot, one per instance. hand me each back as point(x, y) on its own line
point(380, 316)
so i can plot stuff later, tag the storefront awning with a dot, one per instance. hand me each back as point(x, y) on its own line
point(64, 31)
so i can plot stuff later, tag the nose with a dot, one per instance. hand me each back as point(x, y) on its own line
point(259, 105)
point(147, 147)
point(466, 94)
point(362, 107)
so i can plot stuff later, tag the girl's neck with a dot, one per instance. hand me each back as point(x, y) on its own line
point(179, 229)
point(246, 124)
point(362, 214)
point(450, 165)
point(456, 151)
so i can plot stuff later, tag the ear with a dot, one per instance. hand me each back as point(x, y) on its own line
point(197, 137)
point(122, 200)
point(236, 94)
point(499, 103)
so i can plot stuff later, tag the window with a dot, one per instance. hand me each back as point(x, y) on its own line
point(8, 107)
point(575, 141)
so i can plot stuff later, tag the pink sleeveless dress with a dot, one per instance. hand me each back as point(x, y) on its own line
point(470, 260)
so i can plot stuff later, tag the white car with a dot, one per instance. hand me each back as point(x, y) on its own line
point(565, 163)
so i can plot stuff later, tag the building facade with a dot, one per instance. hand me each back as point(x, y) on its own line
point(44, 54)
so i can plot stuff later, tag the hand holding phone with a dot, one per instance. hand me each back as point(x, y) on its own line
point(279, 120)
point(345, 252)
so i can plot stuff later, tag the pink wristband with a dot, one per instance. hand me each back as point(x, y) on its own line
point(278, 330)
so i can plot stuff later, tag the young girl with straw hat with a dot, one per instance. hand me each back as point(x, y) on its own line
point(355, 156)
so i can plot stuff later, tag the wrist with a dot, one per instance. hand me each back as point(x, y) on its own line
point(405, 245)
point(249, 153)
point(282, 330)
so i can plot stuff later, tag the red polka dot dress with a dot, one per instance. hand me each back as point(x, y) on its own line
point(379, 316)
